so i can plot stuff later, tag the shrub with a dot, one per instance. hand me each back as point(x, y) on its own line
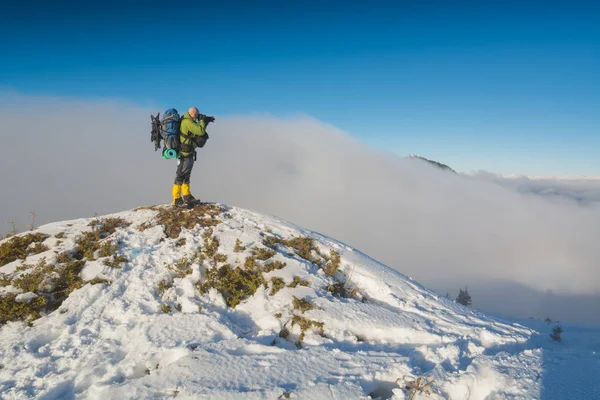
point(60, 235)
point(263, 254)
point(297, 281)
point(278, 284)
point(238, 246)
point(165, 308)
point(235, 284)
point(174, 220)
point(556, 334)
point(272, 266)
point(115, 261)
point(163, 286)
point(107, 249)
point(29, 282)
point(303, 246)
point(303, 305)
point(333, 263)
point(13, 310)
point(17, 248)
point(421, 385)
point(464, 297)
point(305, 324)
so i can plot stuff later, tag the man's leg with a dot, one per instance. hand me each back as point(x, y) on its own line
point(177, 200)
point(188, 165)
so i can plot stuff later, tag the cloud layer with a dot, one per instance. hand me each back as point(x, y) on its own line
point(68, 159)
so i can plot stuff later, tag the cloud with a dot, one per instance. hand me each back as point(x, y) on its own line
point(69, 159)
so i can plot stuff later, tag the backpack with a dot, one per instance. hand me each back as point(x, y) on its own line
point(166, 130)
point(169, 130)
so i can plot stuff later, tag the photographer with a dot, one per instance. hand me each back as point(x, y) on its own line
point(193, 134)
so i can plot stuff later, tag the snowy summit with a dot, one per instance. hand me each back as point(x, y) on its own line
point(220, 302)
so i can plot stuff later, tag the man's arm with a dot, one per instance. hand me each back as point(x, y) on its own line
point(192, 128)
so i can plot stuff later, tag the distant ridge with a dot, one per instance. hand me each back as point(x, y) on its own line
point(435, 163)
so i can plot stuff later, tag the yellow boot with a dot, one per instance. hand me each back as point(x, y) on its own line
point(187, 195)
point(177, 201)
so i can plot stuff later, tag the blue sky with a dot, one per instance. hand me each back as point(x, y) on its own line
point(511, 88)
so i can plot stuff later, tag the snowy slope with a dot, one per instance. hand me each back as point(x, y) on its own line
point(150, 333)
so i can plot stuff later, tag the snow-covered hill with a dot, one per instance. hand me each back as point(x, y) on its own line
point(220, 302)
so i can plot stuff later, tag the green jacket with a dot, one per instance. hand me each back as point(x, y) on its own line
point(191, 128)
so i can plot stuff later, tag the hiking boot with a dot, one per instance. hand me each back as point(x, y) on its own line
point(190, 200)
point(179, 202)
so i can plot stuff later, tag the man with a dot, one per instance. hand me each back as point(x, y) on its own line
point(191, 130)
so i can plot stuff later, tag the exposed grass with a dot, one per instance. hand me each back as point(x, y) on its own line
point(180, 242)
point(60, 235)
point(278, 284)
point(165, 308)
point(18, 247)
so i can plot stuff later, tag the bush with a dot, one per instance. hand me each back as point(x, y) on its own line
point(305, 324)
point(235, 284)
point(333, 263)
point(238, 246)
point(556, 334)
point(17, 248)
point(303, 305)
point(278, 284)
point(297, 281)
point(464, 297)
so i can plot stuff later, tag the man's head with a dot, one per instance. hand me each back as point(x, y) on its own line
point(193, 111)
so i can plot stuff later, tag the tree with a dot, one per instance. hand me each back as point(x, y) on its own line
point(464, 297)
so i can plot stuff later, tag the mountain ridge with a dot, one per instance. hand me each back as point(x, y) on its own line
point(223, 302)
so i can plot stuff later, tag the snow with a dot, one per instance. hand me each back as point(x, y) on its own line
point(113, 341)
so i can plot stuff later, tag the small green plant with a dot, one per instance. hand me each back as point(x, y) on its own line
point(298, 281)
point(556, 334)
point(165, 308)
point(60, 235)
point(421, 385)
point(238, 246)
point(182, 267)
point(303, 305)
point(278, 315)
point(278, 284)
